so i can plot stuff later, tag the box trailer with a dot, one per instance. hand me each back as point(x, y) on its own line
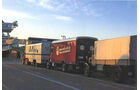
point(115, 57)
point(70, 54)
point(37, 53)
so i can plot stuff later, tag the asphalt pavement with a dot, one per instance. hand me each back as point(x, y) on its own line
point(16, 76)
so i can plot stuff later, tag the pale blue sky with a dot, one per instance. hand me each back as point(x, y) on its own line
point(52, 18)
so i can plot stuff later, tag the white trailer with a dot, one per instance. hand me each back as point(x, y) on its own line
point(37, 53)
point(115, 57)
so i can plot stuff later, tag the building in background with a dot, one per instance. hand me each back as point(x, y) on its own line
point(7, 28)
point(10, 44)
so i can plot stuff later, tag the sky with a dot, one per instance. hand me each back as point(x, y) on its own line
point(102, 19)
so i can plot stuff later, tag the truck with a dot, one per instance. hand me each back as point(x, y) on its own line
point(38, 53)
point(71, 54)
point(116, 58)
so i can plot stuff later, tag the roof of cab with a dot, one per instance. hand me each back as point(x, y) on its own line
point(71, 39)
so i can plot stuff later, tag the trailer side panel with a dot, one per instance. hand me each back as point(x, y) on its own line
point(64, 51)
point(112, 51)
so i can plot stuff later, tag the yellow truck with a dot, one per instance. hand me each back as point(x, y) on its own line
point(115, 57)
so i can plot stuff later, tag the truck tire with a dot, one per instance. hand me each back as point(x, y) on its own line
point(53, 66)
point(28, 63)
point(87, 70)
point(106, 70)
point(64, 67)
point(48, 65)
point(118, 75)
point(34, 63)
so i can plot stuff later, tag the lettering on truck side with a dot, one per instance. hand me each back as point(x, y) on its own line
point(62, 50)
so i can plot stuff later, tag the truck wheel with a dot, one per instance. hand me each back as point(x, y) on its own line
point(64, 67)
point(28, 63)
point(118, 75)
point(48, 66)
point(53, 66)
point(87, 70)
point(106, 70)
point(34, 63)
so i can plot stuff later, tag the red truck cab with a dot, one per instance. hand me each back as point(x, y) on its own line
point(71, 52)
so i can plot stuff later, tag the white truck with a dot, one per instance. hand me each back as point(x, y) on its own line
point(115, 57)
point(37, 53)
